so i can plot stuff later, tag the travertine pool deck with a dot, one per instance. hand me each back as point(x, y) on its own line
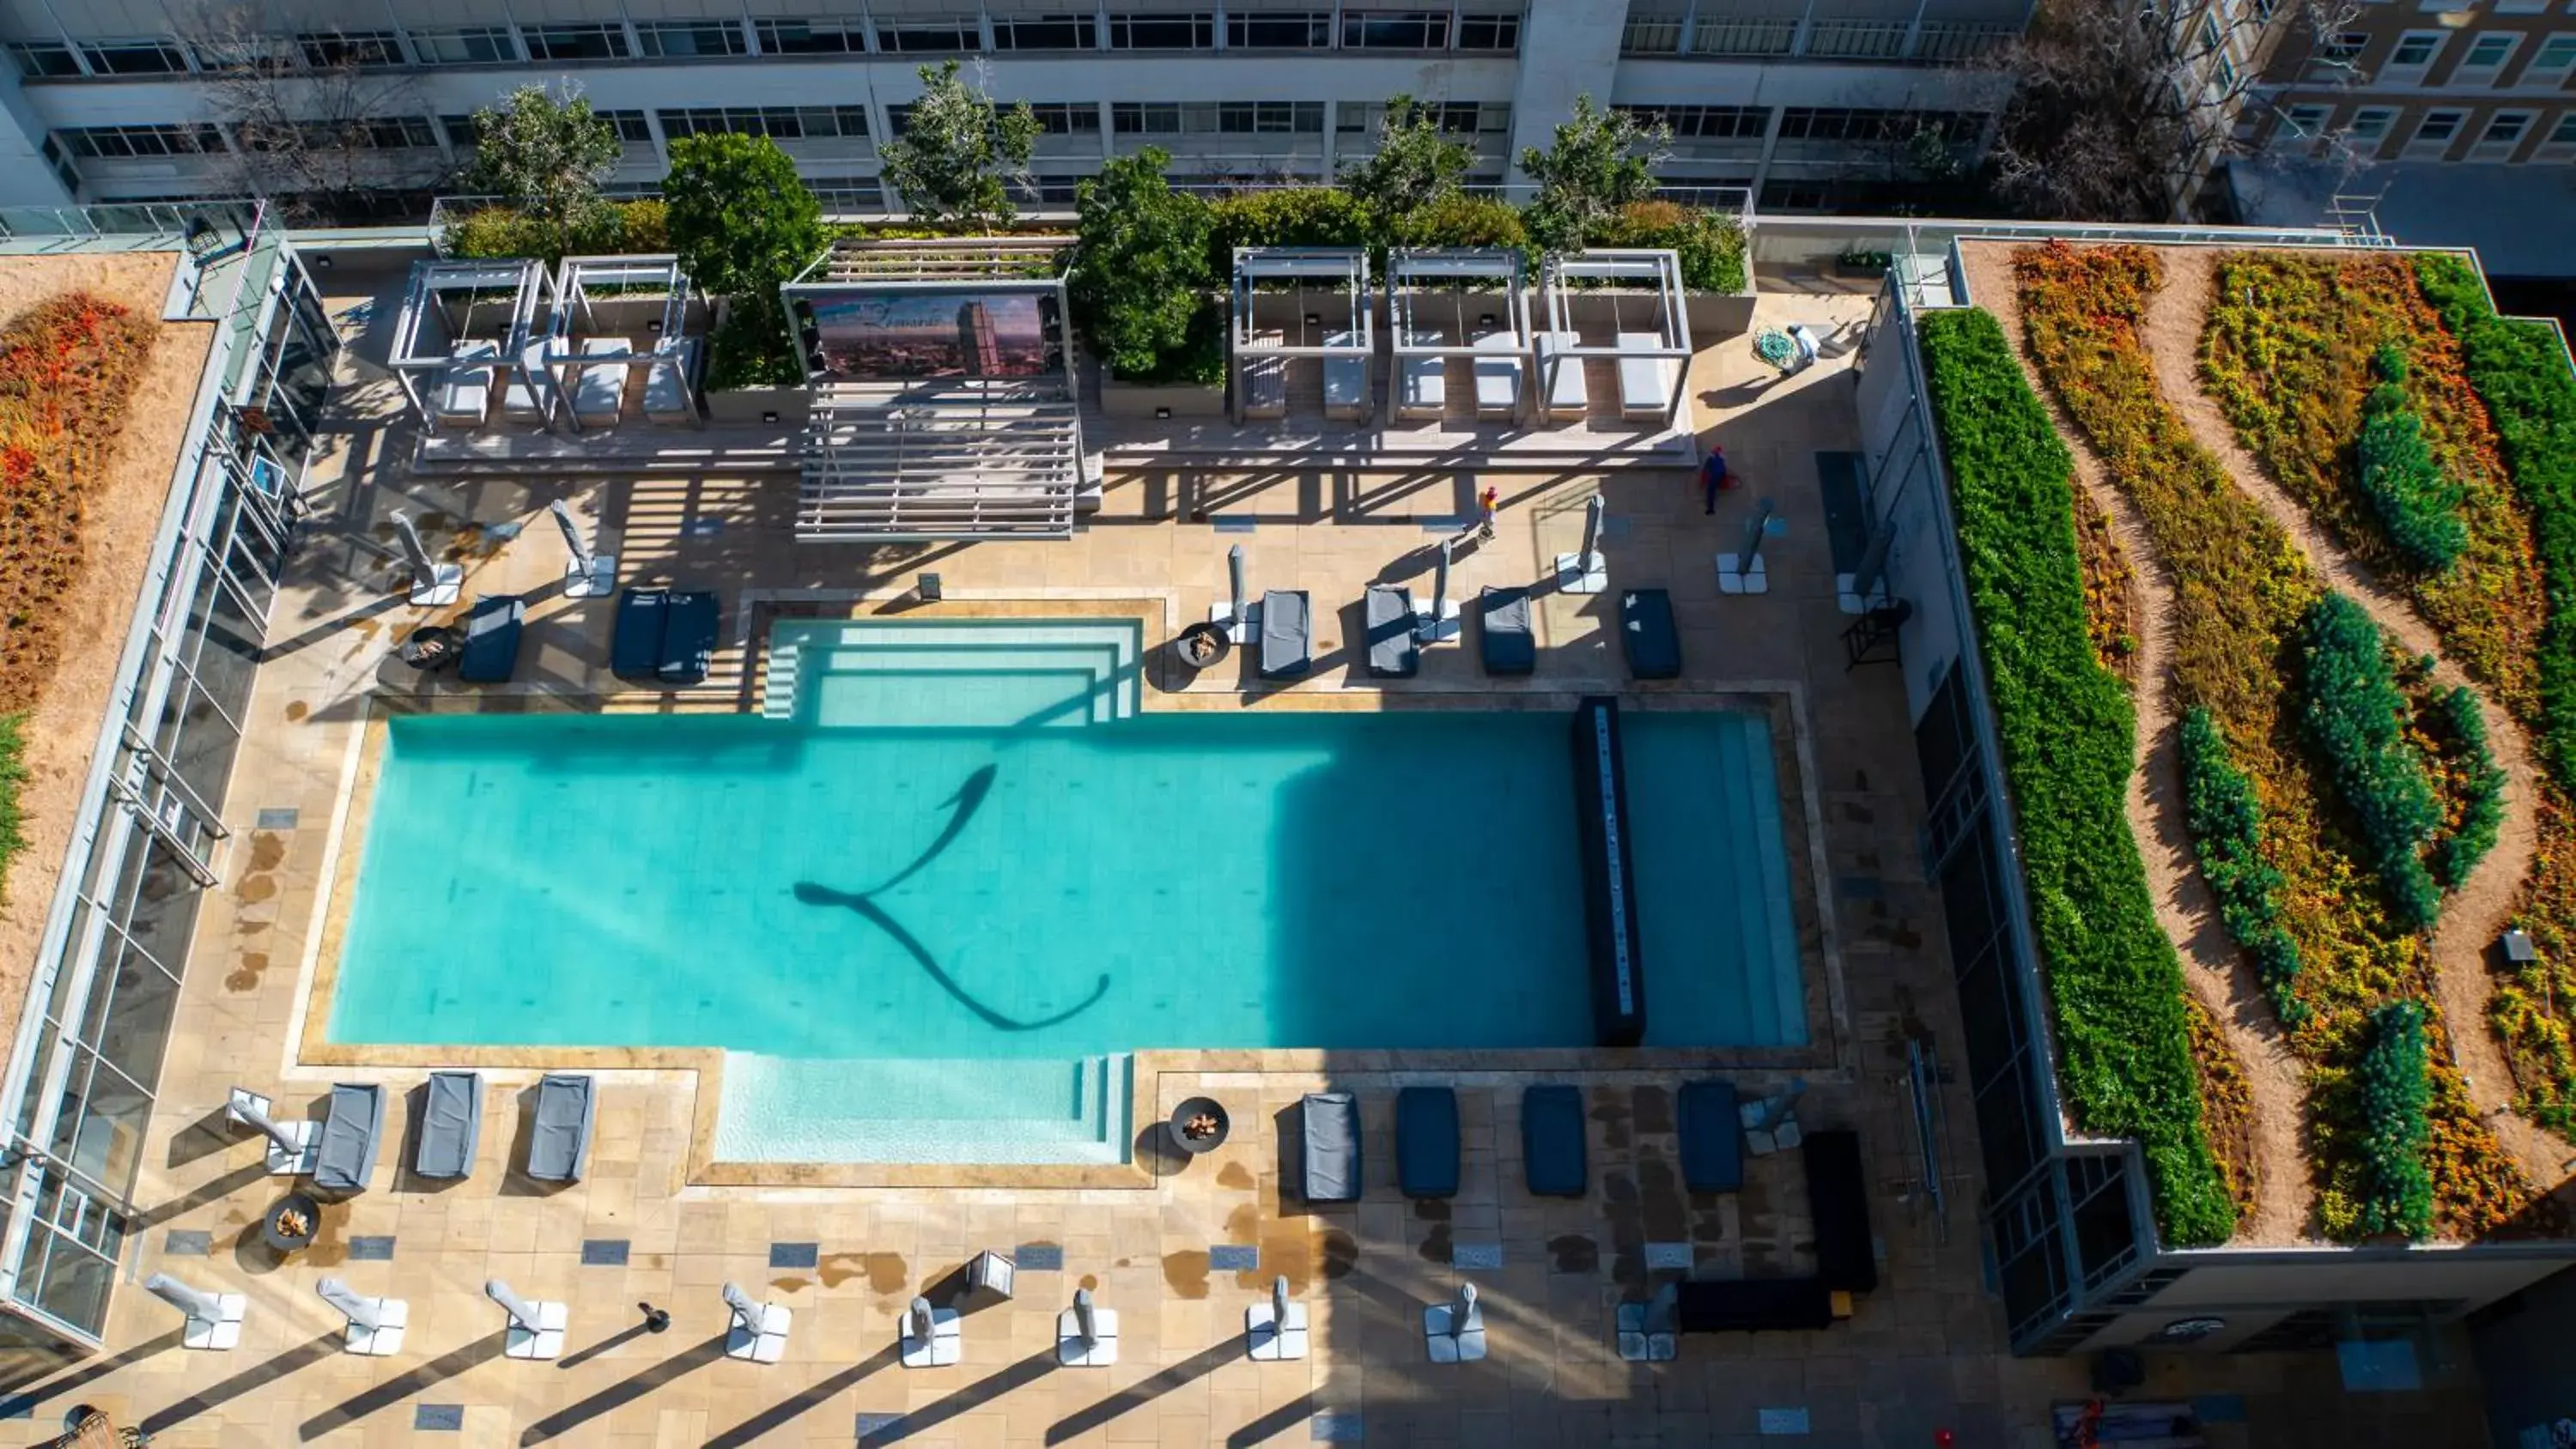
point(1164, 1247)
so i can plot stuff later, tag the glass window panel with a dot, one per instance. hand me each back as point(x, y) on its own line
point(2005, 1129)
point(138, 1018)
point(203, 755)
point(162, 908)
point(75, 1282)
point(109, 1147)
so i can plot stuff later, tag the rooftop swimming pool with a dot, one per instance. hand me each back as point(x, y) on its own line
point(895, 925)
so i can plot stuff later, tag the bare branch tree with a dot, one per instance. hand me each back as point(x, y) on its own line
point(318, 132)
point(2119, 110)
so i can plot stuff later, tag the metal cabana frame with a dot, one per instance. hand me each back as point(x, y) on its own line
point(1495, 344)
point(1650, 363)
point(1258, 357)
point(583, 365)
point(447, 373)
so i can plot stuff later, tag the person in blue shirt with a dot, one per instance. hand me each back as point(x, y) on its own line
point(1712, 475)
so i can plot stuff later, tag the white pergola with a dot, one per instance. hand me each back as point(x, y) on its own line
point(465, 327)
point(591, 367)
point(1653, 354)
point(1458, 302)
point(1343, 338)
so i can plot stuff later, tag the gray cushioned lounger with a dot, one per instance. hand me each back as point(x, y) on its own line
point(1426, 1141)
point(1712, 1135)
point(1505, 640)
point(1330, 1123)
point(1647, 636)
point(451, 1125)
point(491, 653)
point(1552, 1141)
point(635, 648)
point(346, 1157)
point(559, 1145)
point(1391, 651)
point(1287, 634)
point(691, 620)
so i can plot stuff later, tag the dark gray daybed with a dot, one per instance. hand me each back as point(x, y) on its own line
point(1647, 636)
point(1426, 1141)
point(635, 649)
point(689, 625)
point(451, 1125)
point(559, 1144)
point(1552, 1141)
point(1505, 640)
point(491, 653)
point(1329, 1170)
point(346, 1155)
point(1287, 634)
point(1712, 1133)
point(1392, 653)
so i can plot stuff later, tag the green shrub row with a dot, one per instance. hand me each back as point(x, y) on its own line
point(1709, 247)
point(13, 775)
point(2356, 718)
point(2419, 508)
point(612, 229)
point(2396, 1099)
point(2520, 371)
point(2069, 738)
point(2227, 834)
point(2482, 813)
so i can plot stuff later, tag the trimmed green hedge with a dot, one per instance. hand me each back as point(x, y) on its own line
point(2459, 852)
point(616, 228)
point(2069, 736)
point(1303, 216)
point(13, 774)
point(2520, 372)
point(2419, 508)
point(2356, 718)
point(1709, 247)
point(2227, 834)
point(2395, 1100)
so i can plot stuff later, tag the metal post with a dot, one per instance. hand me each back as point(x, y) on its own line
point(745, 1312)
point(916, 1320)
point(1440, 581)
point(581, 555)
point(511, 1303)
point(259, 1119)
point(1756, 524)
point(1592, 528)
point(1083, 1323)
point(360, 1311)
point(184, 1298)
point(1234, 572)
point(423, 568)
point(1279, 1301)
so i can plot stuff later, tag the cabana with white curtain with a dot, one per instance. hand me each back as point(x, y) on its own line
point(614, 316)
point(1622, 308)
point(1318, 296)
point(1460, 318)
point(468, 335)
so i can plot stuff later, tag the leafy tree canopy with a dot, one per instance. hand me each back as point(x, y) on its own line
point(1416, 163)
point(742, 223)
point(1600, 160)
point(956, 153)
point(544, 152)
point(1140, 270)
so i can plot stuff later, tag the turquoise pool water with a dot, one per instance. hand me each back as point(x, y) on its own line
point(1046, 897)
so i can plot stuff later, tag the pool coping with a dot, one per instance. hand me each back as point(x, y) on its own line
point(1829, 1051)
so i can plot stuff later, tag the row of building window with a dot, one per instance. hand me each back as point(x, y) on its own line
point(2435, 133)
point(2482, 62)
point(1855, 124)
point(722, 39)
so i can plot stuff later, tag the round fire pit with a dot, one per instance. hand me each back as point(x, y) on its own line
point(291, 1223)
point(434, 647)
point(1199, 1125)
point(1201, 645)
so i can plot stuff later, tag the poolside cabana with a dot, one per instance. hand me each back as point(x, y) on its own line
point(612, 317)
point(1460, 318)
point(1320, 297)
point(470, 330)
point(1622, 308)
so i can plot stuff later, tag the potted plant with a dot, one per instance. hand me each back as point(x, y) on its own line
point(1860, 264)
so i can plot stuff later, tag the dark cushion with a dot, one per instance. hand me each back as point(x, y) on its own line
point(689, 624)
point(491, 653)
point(1505, 641)
point(1329, 1169)
point(1712, 1137)
point(1426, 1141)
point(1287, 634)
point(1838, 1197)
point(1647, 636)
point(635, 650)
point(1552, 1141)
point(1753, 1305)
point(1391, 650)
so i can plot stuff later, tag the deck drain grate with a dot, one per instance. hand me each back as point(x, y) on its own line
point(187, 1243)
point(876, 1424)
point(1234, 523)
point(1661, 1256)
point(1476, 1255)
point(1783, 1421)
point(1234, 1257)
point(438, 1416)
point(1039, 1257)
point(1860, 887)
point(795, 1255)
point(604, 1252)
point(1342, 1427)
point(274, 818)
point(371, 1250)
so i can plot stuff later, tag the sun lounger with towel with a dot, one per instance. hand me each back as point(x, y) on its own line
point(451, 1125)
point(666, 384)
point(491, 653)
point(1426, 1141)
point(1506, 642)
point(1421, 383)
point(1567, 400)
point(599, 388)
point(635, 649)
point(1712, 1134)
point(690, 622)
point(525, 396)
point(1265, 380)
point(1346, 381)
point(1645, 383)
point(1392, 653)
point(1287, 634)
point(1498, 378)
point(346, 1156)
point(1329, 1123)
point(1647, 636)
point(1552, 1141)
point(464, 387)
point(559, 1143)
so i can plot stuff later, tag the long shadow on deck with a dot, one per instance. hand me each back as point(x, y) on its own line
point(777, 1415)
point(625, 1391)
point(394, 1390)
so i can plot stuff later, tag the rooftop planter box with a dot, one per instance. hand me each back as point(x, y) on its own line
point(1120, 398)
point(1715, 315)
point(749, 405)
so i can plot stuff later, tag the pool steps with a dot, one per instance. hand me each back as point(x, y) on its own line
point(1054, 673)
point(1054, 1110)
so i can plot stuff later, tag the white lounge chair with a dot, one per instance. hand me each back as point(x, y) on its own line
point(599, 388)
point(1567, 398)
point(1421, 383)
point(1498, 378)
point(666, 386)
point(1645, 383)
point(463, 392)
point(521, 399)
point(1265, 380)
point(1346, 381)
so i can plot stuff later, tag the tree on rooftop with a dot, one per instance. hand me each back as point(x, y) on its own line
point(323, 133)
point(742, 224)
point(545, 153)
point(958, 152)
point(1416, 163)
point(1140, 266)
point(1600, 160)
